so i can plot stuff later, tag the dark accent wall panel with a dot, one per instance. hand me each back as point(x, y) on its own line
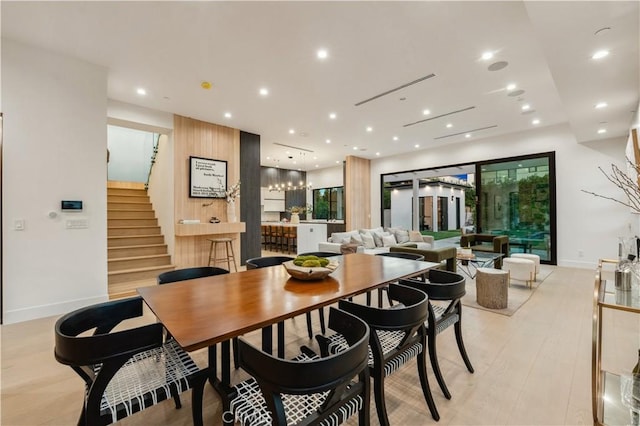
point(250, 195)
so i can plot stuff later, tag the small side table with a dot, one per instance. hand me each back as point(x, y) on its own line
point(492, 288)
point(228, 250)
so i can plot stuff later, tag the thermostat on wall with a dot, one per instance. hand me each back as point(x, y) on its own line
point(71, 206)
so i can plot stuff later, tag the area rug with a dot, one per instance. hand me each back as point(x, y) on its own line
point(519, 293)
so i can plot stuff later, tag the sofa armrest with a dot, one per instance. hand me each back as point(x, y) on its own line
point(329, 247)
point(428, 239)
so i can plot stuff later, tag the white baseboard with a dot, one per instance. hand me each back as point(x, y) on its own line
point(42, 311)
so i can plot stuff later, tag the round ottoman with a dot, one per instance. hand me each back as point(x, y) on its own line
point(534, 257)
point(492, 288)
point(520, 269)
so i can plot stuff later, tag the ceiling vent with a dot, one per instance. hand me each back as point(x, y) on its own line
point(411, 83)
point(466, 131)
point(439, 116)
point(293, 147)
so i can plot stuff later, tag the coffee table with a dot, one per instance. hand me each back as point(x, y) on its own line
point(469, 264)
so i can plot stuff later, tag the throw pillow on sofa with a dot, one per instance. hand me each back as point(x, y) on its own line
point(357, 239)
point(377, 237)
point(402, 236)
point(368, 241)
point(389, 240)
point(415, 237)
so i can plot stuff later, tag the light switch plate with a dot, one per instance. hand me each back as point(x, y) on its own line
point(77, 223)
point(18, 224)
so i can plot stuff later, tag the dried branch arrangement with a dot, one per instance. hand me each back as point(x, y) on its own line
point(627, 184)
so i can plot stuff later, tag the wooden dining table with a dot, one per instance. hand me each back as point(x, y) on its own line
point(203, 312)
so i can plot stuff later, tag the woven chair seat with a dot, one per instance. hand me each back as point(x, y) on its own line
point(249, 407)
point(439, 310)
point(389, 340)
point(146, 379)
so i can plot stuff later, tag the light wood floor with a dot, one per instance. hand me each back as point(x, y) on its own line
point(531, 369)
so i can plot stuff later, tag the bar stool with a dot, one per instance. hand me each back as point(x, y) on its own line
point(227, 244)
point(290, 234)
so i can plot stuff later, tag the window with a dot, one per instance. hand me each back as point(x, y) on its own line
point(328, 203)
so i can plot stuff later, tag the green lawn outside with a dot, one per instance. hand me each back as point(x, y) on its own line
point(439, 235)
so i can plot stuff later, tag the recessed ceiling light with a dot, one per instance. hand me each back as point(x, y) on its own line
point(378, 154)
point(355, 148)
point(426, 112)
point(317, 166)
point(487, 55)
point(264, 91)
point(395, 138)
point(417, 145)
point(322, 54)
point(268, 158)
point(369, 129)
point(328, 141)
point(600, 54)
point(449, 125)
point(468, 135)
point(600, 105)
point(525, 107)
point(140, 91)
point(227, 115)
point(511, 86)
point(291, 131)
point(337, 161)
point(535, 121)
point(332, 115)
point(601, 131)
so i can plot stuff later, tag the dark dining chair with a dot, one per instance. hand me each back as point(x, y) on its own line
point(128, 370)
point(189, 274)
point(309, 389)
point(448, 288)
point(397, 335)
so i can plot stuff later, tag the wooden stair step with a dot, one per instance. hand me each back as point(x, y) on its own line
point(126, 191)
point(128, 289)
point(119, 231)
point(136, 262)
point(134, 240)
point(128, 205)
point(130, 214)
point(137, 274)
point(129, 198)
point(136, 250)
point(111, 223)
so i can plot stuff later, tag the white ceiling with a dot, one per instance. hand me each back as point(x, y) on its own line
point(169, 48)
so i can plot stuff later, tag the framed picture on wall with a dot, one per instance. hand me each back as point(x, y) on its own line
point(207, 178)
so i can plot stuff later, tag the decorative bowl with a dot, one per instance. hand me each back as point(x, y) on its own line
point(310, 273)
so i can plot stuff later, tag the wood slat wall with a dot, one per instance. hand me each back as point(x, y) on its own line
point(200, 139)
point(357, 187)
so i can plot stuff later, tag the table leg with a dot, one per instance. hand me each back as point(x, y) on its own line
point(267, 340)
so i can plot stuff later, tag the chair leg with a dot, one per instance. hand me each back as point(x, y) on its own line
point(424, 382)
point(463, 352)
point(234, 343)
point(197, 391)
point(433, 356)
point(309, 328)
point(322, 326)
point(378, 391)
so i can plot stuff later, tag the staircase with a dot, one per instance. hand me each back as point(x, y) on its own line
point(137, 253)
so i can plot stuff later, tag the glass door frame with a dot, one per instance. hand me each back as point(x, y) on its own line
point(482, 204)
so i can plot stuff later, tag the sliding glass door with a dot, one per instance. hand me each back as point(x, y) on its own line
point(517, 198)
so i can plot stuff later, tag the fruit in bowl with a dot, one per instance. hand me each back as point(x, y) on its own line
point(310, 267)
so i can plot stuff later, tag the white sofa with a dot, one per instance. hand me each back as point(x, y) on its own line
point(373, 241)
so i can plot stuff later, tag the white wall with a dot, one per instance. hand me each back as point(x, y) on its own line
point(55, 145)
point(130, 154)
point(586, 224)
